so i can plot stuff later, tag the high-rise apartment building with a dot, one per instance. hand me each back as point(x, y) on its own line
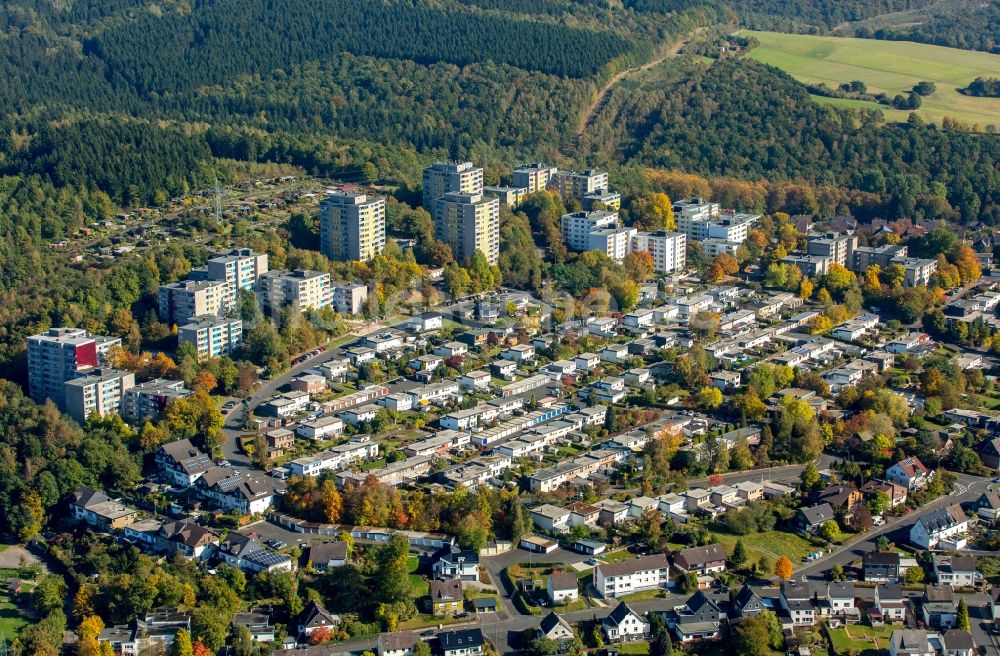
point(179, 301)
point(239, 268)
point(700, 223)
point(352, 226)
point(300, 289)
point(533, 177)
point(838, 247)
point(212, 336)
point(60, 355)
point(669, 249)
point(576, 227)
point(97, 391)
point(467, 223)
point(578, 185)
point(450, 177)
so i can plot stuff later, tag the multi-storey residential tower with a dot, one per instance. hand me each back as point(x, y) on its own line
point(578, 185)
point(239, 268)
point(300, 289)
point(59, 355)
point(533, 177)
point(212, 336)
point(467, 223)
point(450, 177)
point(179, 301)
point(669, 249)
point(96, 391)
point(577, 226)
point(352, 226)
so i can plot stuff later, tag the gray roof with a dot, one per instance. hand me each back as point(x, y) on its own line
point(818, 514)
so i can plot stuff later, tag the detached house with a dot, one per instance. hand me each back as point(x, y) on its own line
point(563, 588)
point(748, 603)
point(624, 624)
point(462, 565)
point(939, 608)
point(890, 605)
point(100, 511)
point(941, 529)
point(910, 473)
point(446, 597)
point(313, 618)
point(698, 620)
point(701, 560)
point(810, 519)
point(461, 642)
point(881, 566)
point(555, 628)
point(796, 600)
point(956, 571)
point(182, 463)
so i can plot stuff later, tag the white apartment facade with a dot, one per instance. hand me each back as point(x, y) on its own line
point(668, 249)
point(212, 336)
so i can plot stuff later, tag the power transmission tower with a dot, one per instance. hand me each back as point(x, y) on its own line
point(218, 213)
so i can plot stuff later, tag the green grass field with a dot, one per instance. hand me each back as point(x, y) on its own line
point(772, 543)
point(863, 640)
point(886, 66)
point(11, 621)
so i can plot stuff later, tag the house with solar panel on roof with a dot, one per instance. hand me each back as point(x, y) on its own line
point(182, 463)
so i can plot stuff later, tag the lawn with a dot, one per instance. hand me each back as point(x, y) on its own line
point(11, 621)
point(639, 648)
point(771, 543)
point(861, 639)
point(615, 556)
point(419, 586)
point(892, 67)
point(642, 595)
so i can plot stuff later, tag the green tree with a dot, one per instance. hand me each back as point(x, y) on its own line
point(962, 618)
point(740, 555)
point(393, 583)
point(181, 645)
point(829, 531)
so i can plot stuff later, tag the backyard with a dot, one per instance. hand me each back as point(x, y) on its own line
point(770, 543)
point(860, 640)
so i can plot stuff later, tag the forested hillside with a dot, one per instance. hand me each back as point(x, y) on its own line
point(749, 121)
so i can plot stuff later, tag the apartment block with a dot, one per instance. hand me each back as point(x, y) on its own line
point(509, 196)
point(695, 209)
point(918, 271)
point(301, 289)
point(613, 242)
point(534, 177)
point(577, 185)
point(467, 223)
point(609, 200)
point(212, 336)
point(577, 226)
point(348, 297)
point(669, 249)
point(810, 265)
point(239, 268)
point(59, 355)
point(96, 391)
point(179, 301)
point(724, 227)
point(838, 247)
point(451, 177)
point(865, 256)
point(150, 399)
point(352, 226)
